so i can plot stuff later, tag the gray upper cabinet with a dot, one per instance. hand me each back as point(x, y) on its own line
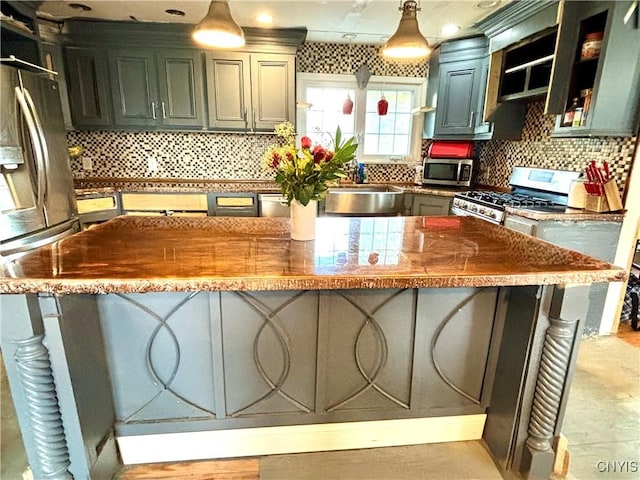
point(150, 88)
point(87, 82)
point(457, 81)
point(181, 88)
point(536, 53)
point(460, 89)
point(605, 84)
point(133, 87)
point(250, 92)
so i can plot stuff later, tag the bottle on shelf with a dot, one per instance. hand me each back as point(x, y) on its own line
point(569, 115)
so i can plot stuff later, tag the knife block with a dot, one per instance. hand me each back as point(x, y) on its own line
point(613, 195)
point(596, 203)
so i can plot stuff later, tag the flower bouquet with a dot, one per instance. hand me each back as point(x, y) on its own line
point(304, 173)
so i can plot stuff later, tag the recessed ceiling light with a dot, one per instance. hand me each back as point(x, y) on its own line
point(487, 3)
point(349, 36)
point(265, 19)
point(450, 29)
point(173, 11)
point(80, 6)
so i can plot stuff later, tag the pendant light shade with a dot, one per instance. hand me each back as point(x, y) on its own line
point(407, 42)
point(218, 29)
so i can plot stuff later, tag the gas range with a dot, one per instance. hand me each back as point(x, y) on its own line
point(535, 189)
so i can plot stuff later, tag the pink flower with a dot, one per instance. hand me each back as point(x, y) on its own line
point(275, 160)
point(305, 142)
point(318, 153)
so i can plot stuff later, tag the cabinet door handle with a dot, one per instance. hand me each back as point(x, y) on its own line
point(473, 114)
point(164, 113)
point(153, 110)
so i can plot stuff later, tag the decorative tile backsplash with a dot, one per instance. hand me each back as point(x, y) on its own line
point(538, 149)
point(203, 155)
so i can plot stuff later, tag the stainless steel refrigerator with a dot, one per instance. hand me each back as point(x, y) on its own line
point(37, 201)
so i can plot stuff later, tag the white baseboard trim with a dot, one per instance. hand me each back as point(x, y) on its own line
point(175, 447)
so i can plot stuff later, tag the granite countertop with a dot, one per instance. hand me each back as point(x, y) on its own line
point(108, 185)
point(151, 254)
point(568, 214)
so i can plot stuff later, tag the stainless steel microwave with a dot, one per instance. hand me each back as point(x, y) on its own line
point(453, 172)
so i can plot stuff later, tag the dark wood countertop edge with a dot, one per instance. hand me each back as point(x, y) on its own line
point(103, 286)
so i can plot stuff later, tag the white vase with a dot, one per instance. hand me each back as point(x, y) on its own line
point(303, 220)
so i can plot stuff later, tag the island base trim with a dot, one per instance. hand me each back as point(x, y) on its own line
point(171, 447)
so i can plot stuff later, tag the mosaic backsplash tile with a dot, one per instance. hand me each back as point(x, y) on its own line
point(202, 155)
point(538, 149)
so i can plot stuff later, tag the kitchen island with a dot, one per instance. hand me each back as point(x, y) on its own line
point(166, 339)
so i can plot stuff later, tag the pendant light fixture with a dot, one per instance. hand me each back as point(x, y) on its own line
point(218, 29)
point(407, 42)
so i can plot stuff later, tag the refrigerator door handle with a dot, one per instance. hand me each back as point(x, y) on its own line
point(37, 148)
point(43, 145)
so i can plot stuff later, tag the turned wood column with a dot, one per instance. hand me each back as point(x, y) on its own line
point(550, 390)
point(50, 456)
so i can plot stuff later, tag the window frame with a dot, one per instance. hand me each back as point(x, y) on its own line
point(417, 84)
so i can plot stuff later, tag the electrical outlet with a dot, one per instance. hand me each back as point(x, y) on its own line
point(152, 164)
point(87, 164)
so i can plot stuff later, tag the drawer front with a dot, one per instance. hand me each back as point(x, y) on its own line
point(87, 205)
point(165, 201)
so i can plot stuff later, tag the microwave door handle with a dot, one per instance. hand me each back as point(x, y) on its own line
point(35, 140)
point(459, 174)
point(43, 144)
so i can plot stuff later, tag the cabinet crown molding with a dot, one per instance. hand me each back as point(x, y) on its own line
point(79, 32)
point(511, 15)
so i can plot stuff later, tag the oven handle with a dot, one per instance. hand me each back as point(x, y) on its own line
point(459, 212)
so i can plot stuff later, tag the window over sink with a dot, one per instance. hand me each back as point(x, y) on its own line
point(393, 137)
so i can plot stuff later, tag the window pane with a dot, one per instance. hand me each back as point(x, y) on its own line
point(397, 121)
point(404, 102)
point(400, 144)
point(372, 123)
point(403, 124)
point(385, 145)
point(387, 123)
point(325, 113)
point(370, 144)
point(372, 100)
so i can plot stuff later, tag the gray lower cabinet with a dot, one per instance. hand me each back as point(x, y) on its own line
point(268, 358)
point(425, 205)
point(88, 85)
point(151, 88)
point(250, 91)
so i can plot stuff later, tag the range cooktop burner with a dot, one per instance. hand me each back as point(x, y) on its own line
point(535, 189)
point(501, 199)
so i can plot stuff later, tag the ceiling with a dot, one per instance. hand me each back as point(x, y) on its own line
point(372, 21)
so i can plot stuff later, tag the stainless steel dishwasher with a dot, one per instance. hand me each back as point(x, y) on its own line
point(273, 205)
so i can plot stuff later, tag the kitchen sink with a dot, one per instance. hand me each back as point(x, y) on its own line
point(371, 200)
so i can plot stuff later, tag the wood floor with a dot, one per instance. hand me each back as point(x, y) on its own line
point(626, 333)
point(244, 469)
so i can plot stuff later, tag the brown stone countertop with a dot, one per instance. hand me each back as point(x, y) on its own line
point(568, 214)
point(88, 186)
point(151, 254)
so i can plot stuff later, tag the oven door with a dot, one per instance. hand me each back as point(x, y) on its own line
point(466, 213)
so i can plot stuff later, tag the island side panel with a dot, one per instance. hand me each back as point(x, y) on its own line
point(454, 335)
point(160, 355)
point(184, 362)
